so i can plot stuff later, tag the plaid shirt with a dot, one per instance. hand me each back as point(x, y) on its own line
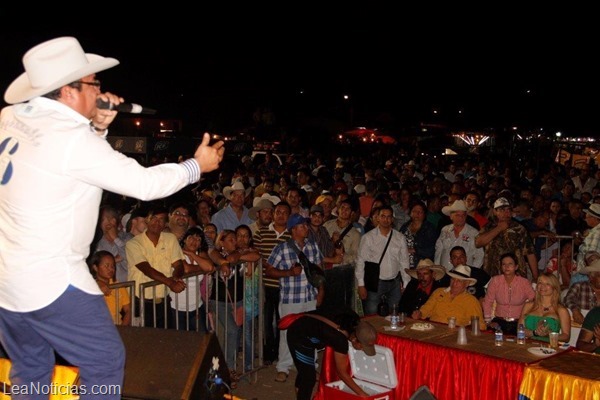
point(295, 289)
point(581, 297)
point(591, 242)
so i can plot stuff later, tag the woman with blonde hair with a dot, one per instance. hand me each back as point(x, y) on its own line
point(545, 314)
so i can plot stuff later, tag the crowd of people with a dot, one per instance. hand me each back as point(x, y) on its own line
point(439, 237)
point(436, 244)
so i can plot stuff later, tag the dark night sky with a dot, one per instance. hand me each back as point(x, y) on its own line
point(395, 74)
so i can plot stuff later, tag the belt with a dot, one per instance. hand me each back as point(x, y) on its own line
point(157, 301)
point(509, 319)
point(389, 280)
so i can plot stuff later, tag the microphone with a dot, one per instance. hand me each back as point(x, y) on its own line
point(123, 107)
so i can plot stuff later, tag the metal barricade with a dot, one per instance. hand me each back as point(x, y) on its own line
point(250, 334)
point(552, 251)
point(118, 302)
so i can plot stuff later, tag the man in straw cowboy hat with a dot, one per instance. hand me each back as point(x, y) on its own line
point(53, 142)
point(453, 301)
point(425, 280)
point(592, 238)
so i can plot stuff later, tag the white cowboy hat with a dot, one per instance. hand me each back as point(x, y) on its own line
point(51, 65)
point(458, 205)
point(463, 273)
point(237, 185)
point(437, 270)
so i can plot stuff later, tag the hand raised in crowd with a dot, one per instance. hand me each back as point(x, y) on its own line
point(503, 225)
point(209, 157)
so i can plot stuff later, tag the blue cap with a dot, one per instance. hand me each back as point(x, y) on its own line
point(295, 219)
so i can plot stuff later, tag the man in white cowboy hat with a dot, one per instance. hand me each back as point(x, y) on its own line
point(53, 141)
point(592, 239)
point(458, 233)
point(425, 280)
point(453, 301)
point(235, 213)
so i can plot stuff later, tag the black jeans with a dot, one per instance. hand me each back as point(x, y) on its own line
point(271, 318)
point(158, 310)
point(508, 327)
point(304, 360)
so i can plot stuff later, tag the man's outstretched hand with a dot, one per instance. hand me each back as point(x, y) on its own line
point(209, 157)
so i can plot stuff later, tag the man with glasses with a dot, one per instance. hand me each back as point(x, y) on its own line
point(179, 220)
point(53, 142)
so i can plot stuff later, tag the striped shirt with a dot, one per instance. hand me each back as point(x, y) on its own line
point(265, 240)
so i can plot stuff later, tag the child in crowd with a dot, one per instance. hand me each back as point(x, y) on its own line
point(102, 264)
point(562, 266)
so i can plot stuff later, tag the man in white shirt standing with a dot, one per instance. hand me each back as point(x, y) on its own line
point(392, 274)
point(53, 141)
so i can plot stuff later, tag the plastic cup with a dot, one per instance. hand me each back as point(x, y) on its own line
point(553, 336)
point(452, 322)
point(462, 335)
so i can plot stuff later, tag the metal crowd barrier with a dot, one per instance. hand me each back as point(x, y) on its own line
point(253, 288)
point(127, 285)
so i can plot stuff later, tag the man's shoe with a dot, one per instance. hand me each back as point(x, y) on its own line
point(281, 377)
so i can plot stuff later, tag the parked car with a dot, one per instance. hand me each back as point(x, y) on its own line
point(259, 157)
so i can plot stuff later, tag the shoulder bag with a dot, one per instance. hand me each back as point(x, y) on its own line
point(372, 270)
point(314, 273)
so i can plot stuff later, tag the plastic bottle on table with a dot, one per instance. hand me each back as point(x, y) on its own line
point(394, 317)
point(521, 334)
point(498, 337)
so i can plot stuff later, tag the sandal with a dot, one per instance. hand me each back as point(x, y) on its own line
point(233, 375)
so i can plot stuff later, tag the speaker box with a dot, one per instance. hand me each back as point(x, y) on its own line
point(170, 364)
point(422, 393)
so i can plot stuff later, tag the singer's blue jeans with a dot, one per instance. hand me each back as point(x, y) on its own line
point(79, 327)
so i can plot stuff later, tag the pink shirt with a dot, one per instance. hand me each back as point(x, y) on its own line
point(510, 299)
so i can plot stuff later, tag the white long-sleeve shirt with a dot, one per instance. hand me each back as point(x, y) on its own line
point(395, 258)
point(466, 239)
point(53, 168)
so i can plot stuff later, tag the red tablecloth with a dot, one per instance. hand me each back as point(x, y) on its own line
point(449, 373)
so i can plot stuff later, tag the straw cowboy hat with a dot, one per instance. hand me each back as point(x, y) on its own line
point(262, 204)
point(237, 185)
point(51, 65)
point(593, 267)
point(593, 210)
point(266, 196)
point(458, 205)
point(438, 270)
point(463, 273)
